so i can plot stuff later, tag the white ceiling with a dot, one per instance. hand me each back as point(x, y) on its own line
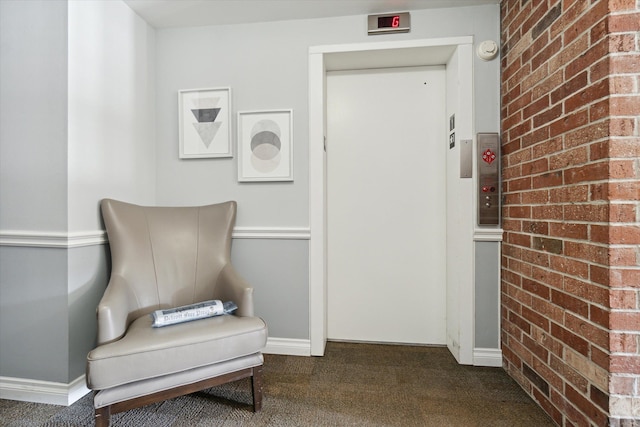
point(191, 13)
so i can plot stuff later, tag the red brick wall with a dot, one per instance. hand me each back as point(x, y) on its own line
point(571, 138)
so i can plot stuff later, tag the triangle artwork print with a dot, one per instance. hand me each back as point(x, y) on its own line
point(205, 113)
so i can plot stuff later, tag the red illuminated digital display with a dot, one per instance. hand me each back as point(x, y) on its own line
point(389, 21)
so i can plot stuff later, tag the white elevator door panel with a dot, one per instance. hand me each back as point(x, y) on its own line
point(386, 134)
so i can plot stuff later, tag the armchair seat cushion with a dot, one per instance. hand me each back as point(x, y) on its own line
point(145, 352)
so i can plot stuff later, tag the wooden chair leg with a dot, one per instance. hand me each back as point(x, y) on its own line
point(256, 385)
point(103, 416)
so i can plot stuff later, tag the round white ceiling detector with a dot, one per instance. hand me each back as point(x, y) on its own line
point(487, 50)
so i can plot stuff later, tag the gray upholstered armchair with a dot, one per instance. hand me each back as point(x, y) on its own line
point(164, 257)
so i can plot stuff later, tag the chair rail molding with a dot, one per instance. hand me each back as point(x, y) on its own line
point(61, 239)
point(52, 239)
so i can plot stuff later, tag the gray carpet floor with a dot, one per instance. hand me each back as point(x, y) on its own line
point(354, 384)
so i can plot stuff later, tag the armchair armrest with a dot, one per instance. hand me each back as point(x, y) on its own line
point(232, 287)
point(114, 309)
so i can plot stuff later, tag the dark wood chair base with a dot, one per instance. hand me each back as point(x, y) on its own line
point(103, 415)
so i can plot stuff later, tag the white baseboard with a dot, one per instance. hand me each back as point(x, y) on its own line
point(288, 346)
point(487, 357)
point(37, 391)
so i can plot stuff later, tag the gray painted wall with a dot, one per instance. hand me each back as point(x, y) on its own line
point(278, 270)
point(487, 295)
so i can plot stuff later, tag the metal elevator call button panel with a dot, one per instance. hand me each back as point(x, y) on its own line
point(488, 162)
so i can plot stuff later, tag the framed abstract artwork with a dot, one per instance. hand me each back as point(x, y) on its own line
point(265, 145)
point(204, 123)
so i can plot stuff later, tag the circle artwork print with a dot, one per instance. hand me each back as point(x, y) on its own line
point(265, 146)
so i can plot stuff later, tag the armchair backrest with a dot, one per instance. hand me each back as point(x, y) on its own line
point(168, 256)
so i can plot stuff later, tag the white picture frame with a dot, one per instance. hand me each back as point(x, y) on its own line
point(265, 145)
point(204, 123)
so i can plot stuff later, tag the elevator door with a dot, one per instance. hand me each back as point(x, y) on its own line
point(386, 218)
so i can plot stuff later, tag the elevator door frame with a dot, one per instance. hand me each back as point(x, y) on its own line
point(453, 53)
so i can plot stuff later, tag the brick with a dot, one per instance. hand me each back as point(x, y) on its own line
point(599, 110)
point(625, 105)
point(596, 374)
point(535, 197)
point(622, 5)
point(624, 364)
point(593, 333)
point(571, 267)
point(553, 246)
point(546, 180)
point(571, 12)
point(624, 320)
point(599, 316)
point(535, 379)
point(569, 230)
point(625, 64)
point(536, 227)
point(569, 122)
point(587, 134)
point(545, 148)
point(623, 299)
point(624, 235)
point(520, 184)
point(599, 233)
point(593, 15)
point(623, 257)
point(624, 23)
point(569, 87)
point(535, 166)
point(519, 211)
point(519, 322)
point(621, 342)
point(548, 84)
point(547, 116)
point(622, 212)
point(569, 194)
point(585, 60)
point(570, 303)
point(549, 310)
point(547, 406)
point(629, 278)
point(548, 212)
point(569, 374)
point(546, 21)
point(518, 239)
point(590, 212)
point(536, 349)
point(587, 291)
point(601, 360)
point(619, 43)
point(623, 191)
point(536, 288)
point(549, 51)
point(586, 96)
point(599, 275)
point(535, 318)
point(570, 339)
point(594, 413)
point(585, 173)
point(623, 126)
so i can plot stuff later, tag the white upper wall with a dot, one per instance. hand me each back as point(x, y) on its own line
point(33, 122)
point(111, 109)
point(266, 66)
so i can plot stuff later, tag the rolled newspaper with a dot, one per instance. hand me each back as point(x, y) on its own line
point(190, 312)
